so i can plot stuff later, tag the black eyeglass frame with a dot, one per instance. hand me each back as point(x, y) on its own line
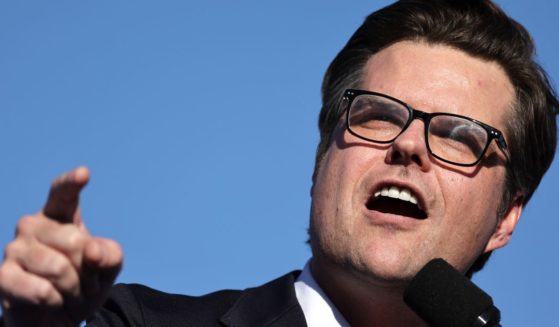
point(492, 133)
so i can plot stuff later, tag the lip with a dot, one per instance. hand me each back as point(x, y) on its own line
point(392, 221)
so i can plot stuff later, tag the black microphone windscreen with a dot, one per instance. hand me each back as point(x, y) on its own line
point(443, 297)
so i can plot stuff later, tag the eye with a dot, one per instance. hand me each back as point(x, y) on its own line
point(376, 112)
point(457, 135)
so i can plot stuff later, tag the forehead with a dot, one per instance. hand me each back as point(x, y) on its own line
point(438, 78)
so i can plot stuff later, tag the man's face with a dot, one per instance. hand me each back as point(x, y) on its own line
point(382, 239)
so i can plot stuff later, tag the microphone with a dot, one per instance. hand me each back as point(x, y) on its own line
point(443, 297)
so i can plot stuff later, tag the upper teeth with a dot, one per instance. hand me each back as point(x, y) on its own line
point(397, 193)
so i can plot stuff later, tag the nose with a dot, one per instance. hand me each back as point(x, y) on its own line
point(410, 148)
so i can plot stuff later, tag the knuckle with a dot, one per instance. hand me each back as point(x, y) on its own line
point(45, 294)
point(59, 266)
point(25, 224)
point(68, 282)
point(8, 277)
point(13, 249)
point(75, 239)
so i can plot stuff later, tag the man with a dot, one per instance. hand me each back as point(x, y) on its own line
point(436, 128)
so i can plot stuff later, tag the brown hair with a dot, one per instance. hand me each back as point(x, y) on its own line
point(481, 29)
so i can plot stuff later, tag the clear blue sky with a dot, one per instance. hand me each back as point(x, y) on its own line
point(198, 122)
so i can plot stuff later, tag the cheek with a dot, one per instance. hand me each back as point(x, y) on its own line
point(340, 170)
point(333, 195)
point(471, 213)
point(474, 195)
point(330, 189)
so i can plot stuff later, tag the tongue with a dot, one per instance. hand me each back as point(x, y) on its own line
point(396, 207)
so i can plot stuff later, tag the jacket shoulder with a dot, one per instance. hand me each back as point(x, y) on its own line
point(139, 305)
point(272, 304)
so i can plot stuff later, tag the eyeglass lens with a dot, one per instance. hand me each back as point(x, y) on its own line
point(449, 137)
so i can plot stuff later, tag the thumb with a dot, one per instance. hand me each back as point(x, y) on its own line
point(102, 259)
point(102, 263)
point(63, 200)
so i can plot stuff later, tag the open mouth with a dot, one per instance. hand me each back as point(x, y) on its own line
point(396, 201)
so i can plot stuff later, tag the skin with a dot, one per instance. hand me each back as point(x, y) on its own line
point(364, 258)
point(54, 272)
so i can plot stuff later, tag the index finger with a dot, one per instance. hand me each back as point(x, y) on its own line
point(63, 200)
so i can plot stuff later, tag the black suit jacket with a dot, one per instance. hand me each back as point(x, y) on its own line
point(272, 304)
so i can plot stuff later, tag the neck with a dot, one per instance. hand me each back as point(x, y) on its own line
point(363, 302)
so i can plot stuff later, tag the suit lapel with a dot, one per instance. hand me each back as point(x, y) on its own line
point(273, 305)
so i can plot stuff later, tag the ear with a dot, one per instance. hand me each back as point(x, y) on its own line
point(505, 227)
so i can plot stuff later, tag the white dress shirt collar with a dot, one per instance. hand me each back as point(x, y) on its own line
point(318, 309)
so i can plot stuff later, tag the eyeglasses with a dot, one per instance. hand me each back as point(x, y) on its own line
point(451, 138)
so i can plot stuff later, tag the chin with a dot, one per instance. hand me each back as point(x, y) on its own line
point(395, 269)
point(391, 271)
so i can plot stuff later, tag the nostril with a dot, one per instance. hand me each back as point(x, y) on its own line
point(415, 158)
point(396, 156)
